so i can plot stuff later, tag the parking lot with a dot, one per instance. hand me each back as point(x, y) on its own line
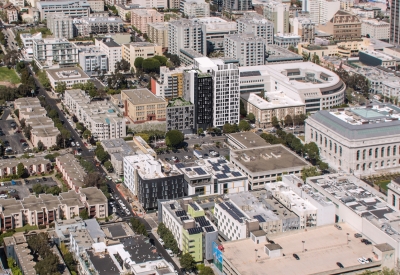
point(115, 203)
point(22, 187)
point(8, 135)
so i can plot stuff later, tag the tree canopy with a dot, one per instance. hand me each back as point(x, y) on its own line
point(173, 138)
point(244, 125)
point(187, 262)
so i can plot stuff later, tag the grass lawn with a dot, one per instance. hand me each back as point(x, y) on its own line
point(383, 184)
point(303, 138)
point(9, 75)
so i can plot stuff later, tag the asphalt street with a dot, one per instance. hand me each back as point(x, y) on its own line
point(90, 156)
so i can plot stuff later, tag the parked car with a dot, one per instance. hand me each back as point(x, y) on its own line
point(340, 265)
point(357, 235)
point(296, 256)
point(161, 241)
point(361, 261)
point(338, 226)
point(73, 143)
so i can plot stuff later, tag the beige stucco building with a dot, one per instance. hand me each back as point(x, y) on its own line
point(343, 48)
point(344, 26)
point(142, 105)
point(141, 17)
point(158, 33)
point(140, 49)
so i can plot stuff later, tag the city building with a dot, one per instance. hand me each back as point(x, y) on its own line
point(265, 164)
point(48, 136)
point(180, 115)
point(85, 26)
point(26, 102)
point(118, 149)
point(18, 3)
point(11, 12)
point(199, 89)
point(112, 50)
point(34, 166)
point(145, 178)
point(248, 49)
point(277, 104)
point(60, 25)
point(141, 17)
point(375, 58)
point(99, 117)
point(53, 52)
point(186, 34)
point(196, 8)
point(96, 5)
point(92, 60)
point(391, 89)
point(151, 4)
point(170, 83)
point(344, 48)
point(321, 11)
point(145, 50)
point(375, 29)
point(277, 54)
point(351, 146)
point(304, 27)
point(226, 93)
point(213, 176)
point(27, 41)
point(30, 112)
point(68, 75)
point(237, 5)
point(73, 8)
point(394, 23)
point(115, 2)
point(343, 26)
point(141, 105)
point(158, 33)
point(71, 170)
point(253, 23)
point(253, 254)
point(277, 13)
point(192, 230)
point(244, 140)
point(286, 40)
point(316, 86)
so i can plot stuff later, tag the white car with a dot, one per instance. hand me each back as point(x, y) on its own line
point(123, 206)
point(361, 261)
point(161, 241)
point(77, 144)
point(173, 158)
point(120, 201)
point(72, 143)
point(127, 212)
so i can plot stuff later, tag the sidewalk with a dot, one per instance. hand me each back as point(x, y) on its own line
point(175, 257)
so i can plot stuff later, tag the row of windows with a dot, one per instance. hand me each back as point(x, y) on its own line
point(371, 153)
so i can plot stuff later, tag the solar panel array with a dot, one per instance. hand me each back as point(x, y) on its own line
point(188, 169)
point(184, 218)
point(259, 218)
point(209, 229)
point(236, 174)
point(223, 206)
point(172, 206)
point(221, 176)
point(180, 165)
point(195, 230)
point(222, 161)
point(215, 168)
point(232, 211)
point(200, 171)
point(194, 206)
point(202, 221)
point(180, 213)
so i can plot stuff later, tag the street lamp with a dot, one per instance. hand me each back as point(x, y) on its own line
point(255, 250)
point(303, 245)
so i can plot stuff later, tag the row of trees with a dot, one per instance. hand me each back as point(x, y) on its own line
point(139, 227)
point(95, 179)
point(68, 259)
point(150, 65)
point(40, 189)
point(168, 238)
point(49, 262)
point(174, 138)
point(355, 81)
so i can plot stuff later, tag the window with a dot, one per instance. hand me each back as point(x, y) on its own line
point(358, 155)
point(320, 139)
point(376, 153)
point(382, 163)
point(394, 150)
point(340, 150)
point(363, 167)
point(335, 148)
point(316, 137)
point(326, 143)
point(330, 145)
point(358, 167)
point(388, 151)
point(370, 165)
point(370, 152)
point(364, 153)
point(312, 134)
point(382, 152)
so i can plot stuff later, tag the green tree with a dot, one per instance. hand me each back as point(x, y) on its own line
point(40, 145)
point(251, 117)
point(244, 125)
point(206, 271)
point(93, 179)
point(138, 62)
point(20, 170)
point(162, 59)
point(61, 87)
point(79, 126)
point(307, 172)
point(86, 134)
point(102, 156)
point(323, 165)
point(151, 65)
point(15, 270)
point(200, 131)
point(275, 122)
point(173, 138)
point(144, 136)
point(243, 112)
point(27, 132)
point(84, 214)
point(312, 151)
point(187, 262)
point(108, 166)
point(128, 16)
point(288, 120)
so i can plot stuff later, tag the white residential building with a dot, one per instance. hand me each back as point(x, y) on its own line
point(186, 34)
point(375, 29)
point(225, 88)
point(252, 23)
point(277, 13)
point(60, 25)
point(391, 89)
point(99, 117)
point(304, 27)
point(53, 52)
point(73, 8)
point(357, 140)
point(111, 49)
point(237, 5)
point(150, 4)
point(321, 11)
point(18, 3)
point(196, 8)
point(248, 49)
point(96, 5)
point(27, 41)
point(285, 40)
point(92, 60)
point(68, 75)
point(85, 26)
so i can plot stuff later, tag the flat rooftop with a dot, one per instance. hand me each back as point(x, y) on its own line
point(69, 73)
point(45, 132)
point(321, 256)
point(275, 100)
point(362, 122)
point(267, 158)
point(142, 96)
point(247, 139)
point(73, 169)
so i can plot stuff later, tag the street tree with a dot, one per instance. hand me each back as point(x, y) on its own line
point(61, 87)
point(244, 125)
point(251, 117)
point(187, 262)
point(206, 271)
point(275, 122)
point(173, 138)
point(288, 120)
point(40, 145)
point(20, 170)
point(84, 214)
point(200, 131)
point(108, 166)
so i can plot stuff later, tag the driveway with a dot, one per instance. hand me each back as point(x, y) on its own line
point(13, 138)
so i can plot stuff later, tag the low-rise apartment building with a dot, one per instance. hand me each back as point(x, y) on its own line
point(141, 17)
point(286, 40)
point(92, 60)
point(277, 105)
point(33, 166)
point(192, 230)
point(141, 105)
point(99, 117)
point(145, 50)
point(112, 49)
point(48, 136)
point(51, 52)
point(71, 170)
point(60, 25)
point(118, 149)
point(375, 29)
point(69, 76)
point(73, 8)
point(196, 8)
point(26, 102)
point(11, 12)
point(96, 5)
point(85, 26)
